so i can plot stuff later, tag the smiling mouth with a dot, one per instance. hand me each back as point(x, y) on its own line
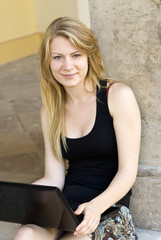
point(69, 75)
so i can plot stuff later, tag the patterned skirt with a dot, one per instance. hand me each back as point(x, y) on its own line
point(117, 225)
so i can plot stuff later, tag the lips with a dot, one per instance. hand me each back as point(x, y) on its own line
point(69, 75)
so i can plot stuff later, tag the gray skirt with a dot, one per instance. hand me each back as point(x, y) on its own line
point(117, 225)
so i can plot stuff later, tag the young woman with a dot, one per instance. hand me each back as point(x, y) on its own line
point(95, 125)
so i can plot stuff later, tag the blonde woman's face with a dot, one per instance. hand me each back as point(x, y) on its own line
point(69, 66)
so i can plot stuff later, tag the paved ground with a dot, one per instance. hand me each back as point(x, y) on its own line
point(21, 142)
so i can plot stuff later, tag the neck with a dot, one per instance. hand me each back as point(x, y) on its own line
point(79, 93)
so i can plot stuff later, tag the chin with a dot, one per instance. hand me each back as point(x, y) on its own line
point(71, 83)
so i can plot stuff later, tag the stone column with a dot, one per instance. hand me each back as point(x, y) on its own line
point(129, 33)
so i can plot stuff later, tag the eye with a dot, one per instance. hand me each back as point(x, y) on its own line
point(76, 55)
point(57, 57)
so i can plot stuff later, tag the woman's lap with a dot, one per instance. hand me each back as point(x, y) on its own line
point(117, 225)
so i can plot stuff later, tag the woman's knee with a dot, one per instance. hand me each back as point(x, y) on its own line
point(34, 232)
point(25, 233)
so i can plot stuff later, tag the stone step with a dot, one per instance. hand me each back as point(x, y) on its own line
point(148, 234)
point(145, 203)
point(8, 230)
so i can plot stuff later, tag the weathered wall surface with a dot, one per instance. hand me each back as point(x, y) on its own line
point(129, 34)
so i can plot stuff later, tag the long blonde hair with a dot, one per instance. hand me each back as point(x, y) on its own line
point(53, 93)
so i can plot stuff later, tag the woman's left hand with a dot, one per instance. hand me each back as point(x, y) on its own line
point(91, 218)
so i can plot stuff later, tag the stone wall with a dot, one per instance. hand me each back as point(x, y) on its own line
point(129, 33)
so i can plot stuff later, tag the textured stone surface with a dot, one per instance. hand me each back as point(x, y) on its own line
point(21, 141)
point(129, 33)
point(146, 203)
point(9, 123)
point(8, 230)
point(148, 235)
point(19, 176)
point(5, 108)
point(16, 142)
point(30, 121)
point(130, 40)
point(24, 163)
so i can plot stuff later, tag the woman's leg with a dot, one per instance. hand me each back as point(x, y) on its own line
point(34, 232)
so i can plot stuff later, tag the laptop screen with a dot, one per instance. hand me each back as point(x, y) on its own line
point(44, 206)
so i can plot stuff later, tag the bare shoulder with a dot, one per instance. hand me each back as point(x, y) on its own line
point(121, 97)
point(121, 90)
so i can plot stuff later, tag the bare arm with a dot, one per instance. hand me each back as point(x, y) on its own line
point(54, 169)
point(126, 118)
point(127, 125)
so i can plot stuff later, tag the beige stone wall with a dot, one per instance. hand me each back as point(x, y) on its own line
point(129, 33)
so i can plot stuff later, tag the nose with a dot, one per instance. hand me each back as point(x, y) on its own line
point(67, 64)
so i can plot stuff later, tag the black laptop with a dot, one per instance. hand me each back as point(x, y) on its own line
point(44, 206)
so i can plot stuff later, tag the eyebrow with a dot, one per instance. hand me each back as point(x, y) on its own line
point(56, 53)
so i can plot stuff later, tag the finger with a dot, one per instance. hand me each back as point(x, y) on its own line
point(87, 218)
point(79, 210)
point(87, 229)
point(81, 226)
point(90, 226)
point(87, 226)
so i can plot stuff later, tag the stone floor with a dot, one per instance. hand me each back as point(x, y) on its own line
point(21, 142)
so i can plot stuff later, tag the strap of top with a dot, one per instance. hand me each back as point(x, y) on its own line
point(107, 91)
point(109, 88)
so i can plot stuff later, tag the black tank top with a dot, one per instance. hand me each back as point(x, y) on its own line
point(93, 159)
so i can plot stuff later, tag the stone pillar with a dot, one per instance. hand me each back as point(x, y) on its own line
point(129, 34)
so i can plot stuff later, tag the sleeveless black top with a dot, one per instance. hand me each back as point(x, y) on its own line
point(93, 158)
